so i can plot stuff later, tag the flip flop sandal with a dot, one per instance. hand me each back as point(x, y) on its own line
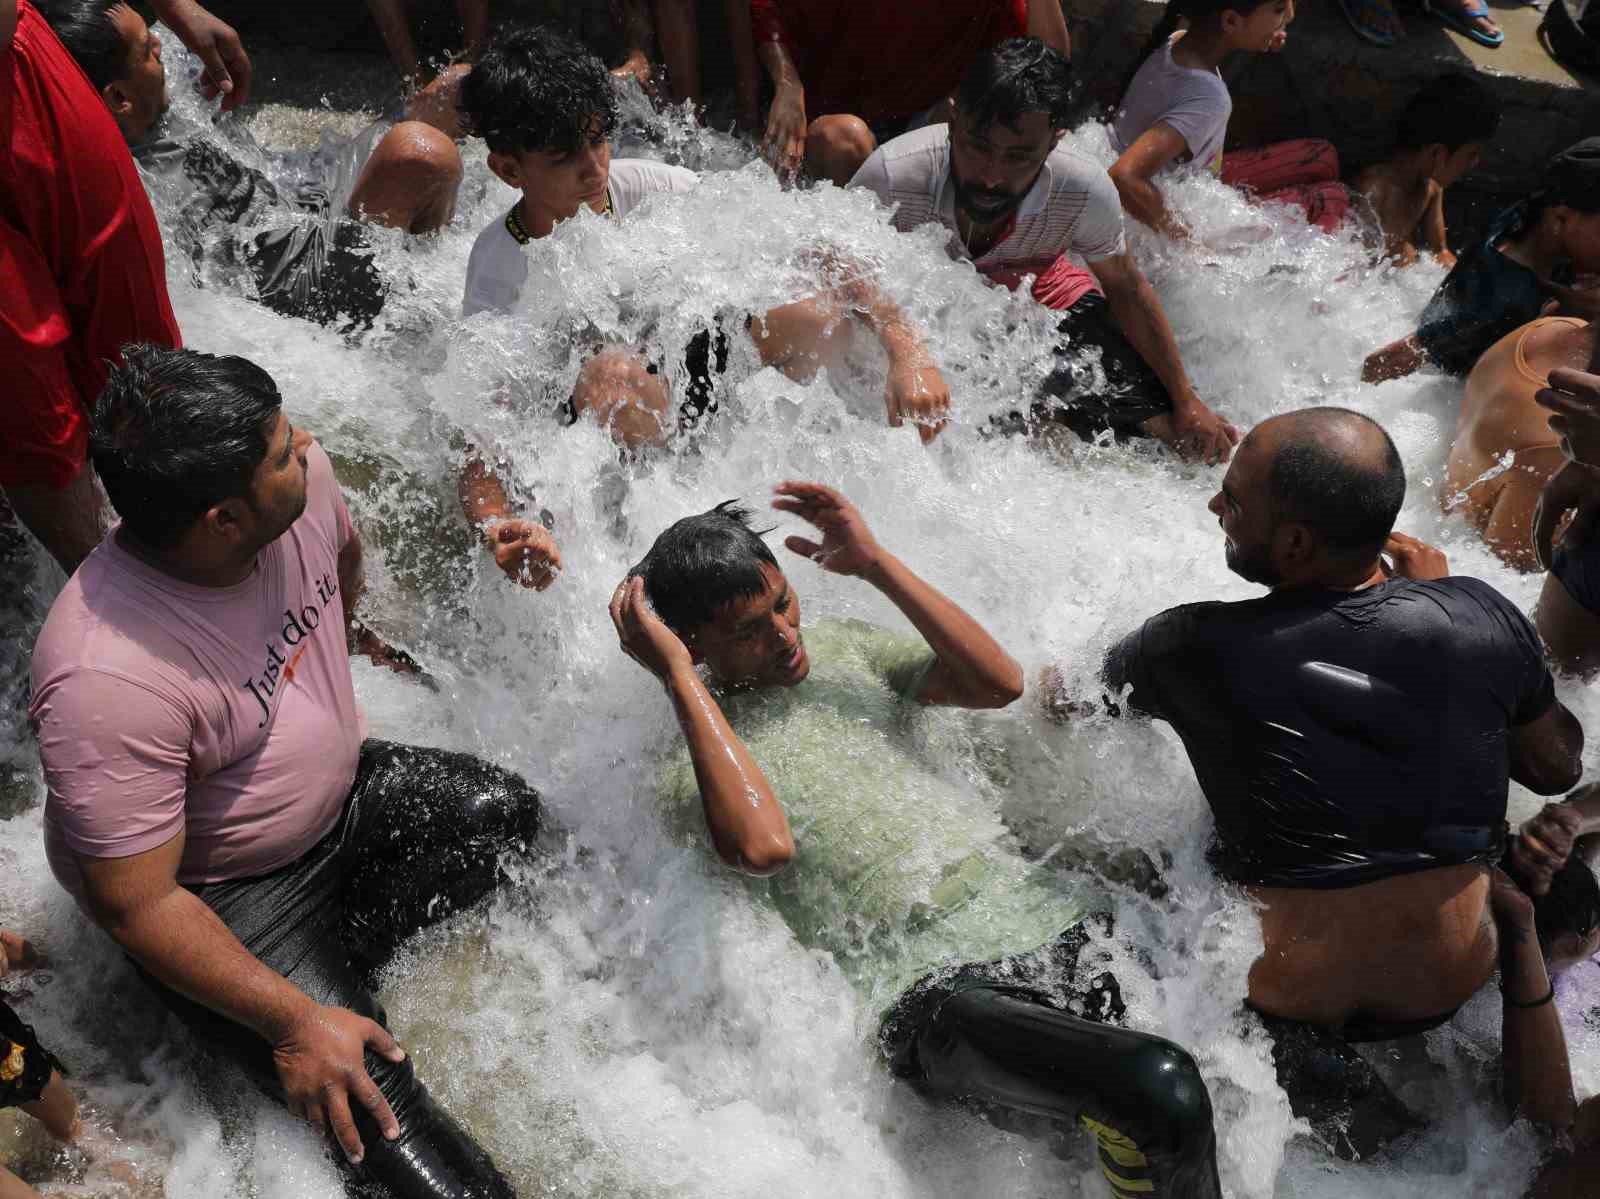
point(1461, 21)
point(1360, 13)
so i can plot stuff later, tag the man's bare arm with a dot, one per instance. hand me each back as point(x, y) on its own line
point(317, 1050)
point(1547, 753)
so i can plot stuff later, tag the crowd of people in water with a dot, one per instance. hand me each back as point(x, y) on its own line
point(212, 800)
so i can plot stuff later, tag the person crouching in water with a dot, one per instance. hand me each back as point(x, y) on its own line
point(914, 888)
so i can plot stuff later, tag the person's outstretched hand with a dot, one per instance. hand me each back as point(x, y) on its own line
point(1414, 559)
point(215, 44)
point(17, 953)
point(784, 143)
point(321, 1064)
point(644, 636)
point(1575, 488)
point(524, 550)
point(1543, 845)
point(1574, 397)
point(847, 546)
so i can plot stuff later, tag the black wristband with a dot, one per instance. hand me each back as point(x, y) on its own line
point(1517, 1003)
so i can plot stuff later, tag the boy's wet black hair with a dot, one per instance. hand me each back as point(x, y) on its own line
point(1572, 905)
point(703, 563)
point(538, 89)
point(1018, 76)
point(1451, 111)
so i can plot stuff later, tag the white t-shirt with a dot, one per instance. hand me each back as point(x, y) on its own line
point(497, 268)
point(1194, 102)
point(1073, 206)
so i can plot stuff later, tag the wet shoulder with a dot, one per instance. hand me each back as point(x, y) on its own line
point(916, 160)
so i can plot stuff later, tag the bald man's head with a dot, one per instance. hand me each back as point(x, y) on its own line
point(1310, 496)
point(1335, 471)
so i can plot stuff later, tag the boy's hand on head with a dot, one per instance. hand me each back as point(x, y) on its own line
point(1543, 845)
point(847, 547)
point(644, 636)
point(525, 551)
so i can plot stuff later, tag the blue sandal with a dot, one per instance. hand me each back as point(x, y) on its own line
point(1360, 14)
point(1461, 21)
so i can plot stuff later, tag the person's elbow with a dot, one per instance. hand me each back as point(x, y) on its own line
point(1001, 690)
point(1551, 763)
point(761, 855)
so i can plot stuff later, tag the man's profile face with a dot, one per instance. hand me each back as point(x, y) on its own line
point(1243, 509)
point(139, 97)
point(756, 642)
point(559, 182)
point(993, 166)
point(277, 496)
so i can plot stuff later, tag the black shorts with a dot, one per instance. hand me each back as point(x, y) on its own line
point(1119, 392)
point(319, 272)
point(25, 1064)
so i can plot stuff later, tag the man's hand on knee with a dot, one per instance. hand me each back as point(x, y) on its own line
point(320, 1062)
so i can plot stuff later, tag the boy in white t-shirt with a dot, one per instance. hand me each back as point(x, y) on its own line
point(546, 109)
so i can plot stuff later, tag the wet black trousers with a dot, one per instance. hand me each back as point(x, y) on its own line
point(974, 1035)
point(423, 835)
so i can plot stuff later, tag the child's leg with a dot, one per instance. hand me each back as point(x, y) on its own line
point(56, 1109)
point(12, 1187)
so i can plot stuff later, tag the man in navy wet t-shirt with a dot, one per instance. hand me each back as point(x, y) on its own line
point(1354, 731)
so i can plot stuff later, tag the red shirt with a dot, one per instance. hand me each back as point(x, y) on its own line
point(80, 255)
point(883, 60)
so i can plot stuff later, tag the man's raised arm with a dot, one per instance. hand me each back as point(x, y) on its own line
point(972, 671)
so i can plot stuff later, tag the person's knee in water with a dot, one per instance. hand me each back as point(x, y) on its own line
point(223, 866)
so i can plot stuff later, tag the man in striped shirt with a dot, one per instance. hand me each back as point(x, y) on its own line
point(1019, 205)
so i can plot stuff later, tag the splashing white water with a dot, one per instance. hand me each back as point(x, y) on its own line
point(631, 1021)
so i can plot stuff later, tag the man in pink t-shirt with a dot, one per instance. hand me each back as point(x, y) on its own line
point(212, 802)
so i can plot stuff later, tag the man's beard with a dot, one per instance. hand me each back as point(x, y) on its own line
point(983, 204)
point(1254, 566)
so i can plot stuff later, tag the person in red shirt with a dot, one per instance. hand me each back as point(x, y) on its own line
point(847, 74)
point(81, 255)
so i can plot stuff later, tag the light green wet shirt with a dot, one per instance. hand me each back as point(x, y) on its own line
point(901, 864)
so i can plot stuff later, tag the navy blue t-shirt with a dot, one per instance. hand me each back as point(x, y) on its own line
point(1484, 297)
point(1344, 737)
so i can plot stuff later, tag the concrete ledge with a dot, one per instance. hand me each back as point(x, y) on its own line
point(1327, 83)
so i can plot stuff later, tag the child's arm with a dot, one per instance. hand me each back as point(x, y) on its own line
point(1132, 173)
point(1433, 234)
point(1394, 361)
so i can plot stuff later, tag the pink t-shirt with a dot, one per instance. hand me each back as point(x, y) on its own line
point(224, 713)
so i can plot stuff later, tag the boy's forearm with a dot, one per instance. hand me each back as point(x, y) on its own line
point(745, 820)
point(962, 645)
point(1538, 1073)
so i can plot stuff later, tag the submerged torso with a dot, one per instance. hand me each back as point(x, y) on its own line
point(901, 863)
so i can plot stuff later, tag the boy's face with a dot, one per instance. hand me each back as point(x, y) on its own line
point(557, 182)
point(1453, 166)
point(756, 641)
